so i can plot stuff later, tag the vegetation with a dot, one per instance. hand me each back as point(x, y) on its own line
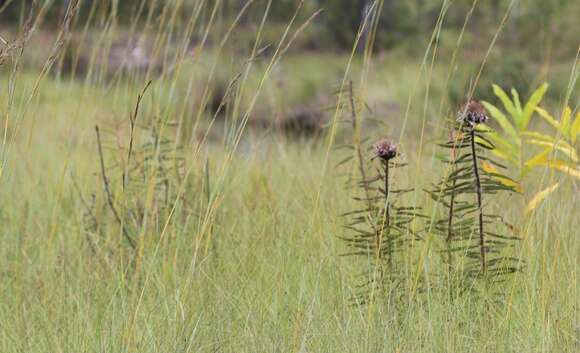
point(465, 223)
point(187, 176)
point(516, 138)
point(381, 228)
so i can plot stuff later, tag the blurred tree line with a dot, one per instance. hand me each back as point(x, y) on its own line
point(400, 20)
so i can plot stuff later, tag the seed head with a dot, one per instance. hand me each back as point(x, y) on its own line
point(385, 150)
point(472, 113)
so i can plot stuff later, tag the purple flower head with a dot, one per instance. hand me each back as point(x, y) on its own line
point(385, 150)
point(472, 113)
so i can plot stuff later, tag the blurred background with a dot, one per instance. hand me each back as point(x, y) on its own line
point(537, 35)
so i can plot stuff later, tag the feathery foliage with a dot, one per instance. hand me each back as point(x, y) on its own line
point(474, 247)
point(381, 227)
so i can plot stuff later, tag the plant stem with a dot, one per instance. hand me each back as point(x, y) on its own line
point(451, 210)
point(386, 220)
point(109, 194)
point(132, 122)
point(479, 201)
point(450, 227)
point(357, 145)
point(387, 192)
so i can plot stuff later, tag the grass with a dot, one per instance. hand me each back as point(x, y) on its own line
point(274, 281)
point(250, 260)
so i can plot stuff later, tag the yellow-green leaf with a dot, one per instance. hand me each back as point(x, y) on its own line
point(502, 155)
point(539, 197)
point(549, 118)
point(489, 168)
point(565, 167)
point(504, 148)
point(575, 129)
point(560, 146)
point(516, 98)
point(540, 159)
point(531, 105)
point(565, 121)
point(537, 136)
point(507, 103)
point(502, 121)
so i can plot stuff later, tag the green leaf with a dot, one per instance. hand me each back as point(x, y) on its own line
point(516, 98)
point(507, 103)
point(504, 148)
point(549, 118)
point(497, 176)
point(575, 129)
point(565, 121)
point(531, 105)
point(537, 136)
point(539, 139)
point(501, 119)
point(540, 159)
point(560, 146)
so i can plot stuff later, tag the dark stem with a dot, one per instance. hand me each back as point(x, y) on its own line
point(450, 215)
point(479, 201)
point(108, 192)
point(386, 221)
point(387, 192)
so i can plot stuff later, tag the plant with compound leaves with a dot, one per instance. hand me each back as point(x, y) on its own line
point(557, 152)
point(381, 228)
point(468, 229)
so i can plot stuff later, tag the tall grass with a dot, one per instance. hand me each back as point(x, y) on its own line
point(241, 254)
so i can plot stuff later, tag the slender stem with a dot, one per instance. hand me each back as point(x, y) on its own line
point(109, 194)
point(132, 121)
point(380, 232)
point(479, 201)
point(451, 210)
point(450, 226)
point(387, 192)
point(387, 220)
point(357, 146)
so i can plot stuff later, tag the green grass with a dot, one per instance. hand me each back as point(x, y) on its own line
point(272, 281)
point(246, 256)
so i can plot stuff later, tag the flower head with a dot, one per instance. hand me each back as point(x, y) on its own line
point(472, 113)
point(385, 149)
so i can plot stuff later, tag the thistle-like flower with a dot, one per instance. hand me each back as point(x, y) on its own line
point(385, 150)
point(472, 113)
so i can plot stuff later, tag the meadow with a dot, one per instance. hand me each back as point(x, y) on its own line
point(197, 203)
